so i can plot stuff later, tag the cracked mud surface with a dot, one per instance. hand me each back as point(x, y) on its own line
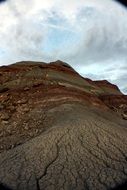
point(83, 152)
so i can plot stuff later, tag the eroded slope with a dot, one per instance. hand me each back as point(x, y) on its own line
point(80, 150)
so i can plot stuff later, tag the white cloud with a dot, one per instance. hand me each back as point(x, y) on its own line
point(85, 33)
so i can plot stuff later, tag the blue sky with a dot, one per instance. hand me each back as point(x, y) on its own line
point(91, 35)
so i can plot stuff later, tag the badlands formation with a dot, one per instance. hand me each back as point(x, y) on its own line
point(60, 131)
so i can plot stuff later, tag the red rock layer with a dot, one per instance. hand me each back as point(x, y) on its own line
point(57, 82)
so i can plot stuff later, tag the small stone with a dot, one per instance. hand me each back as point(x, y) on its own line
point(23, 101)
point(26, 88)
point(121, 106)
point(12, 146)
point(25, 109)
point(5, 122)
point(36, 131)
point(1, 147)
point(124, 116)
point(26, 127)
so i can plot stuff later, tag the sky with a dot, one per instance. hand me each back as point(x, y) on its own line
point(90, 35)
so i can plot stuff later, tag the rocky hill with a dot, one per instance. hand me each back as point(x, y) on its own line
point(60, 131)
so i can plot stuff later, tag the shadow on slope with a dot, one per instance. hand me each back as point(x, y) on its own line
point(4, 187)
point(121, 187)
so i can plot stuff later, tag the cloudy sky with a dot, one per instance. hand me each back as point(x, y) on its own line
point(91, 35)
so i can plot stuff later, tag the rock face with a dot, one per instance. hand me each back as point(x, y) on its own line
point(60, 131)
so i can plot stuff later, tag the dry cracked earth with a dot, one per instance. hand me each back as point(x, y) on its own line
point(60, 131)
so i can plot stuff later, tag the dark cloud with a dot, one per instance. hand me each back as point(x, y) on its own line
point(2, 1)
point(124, 2)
